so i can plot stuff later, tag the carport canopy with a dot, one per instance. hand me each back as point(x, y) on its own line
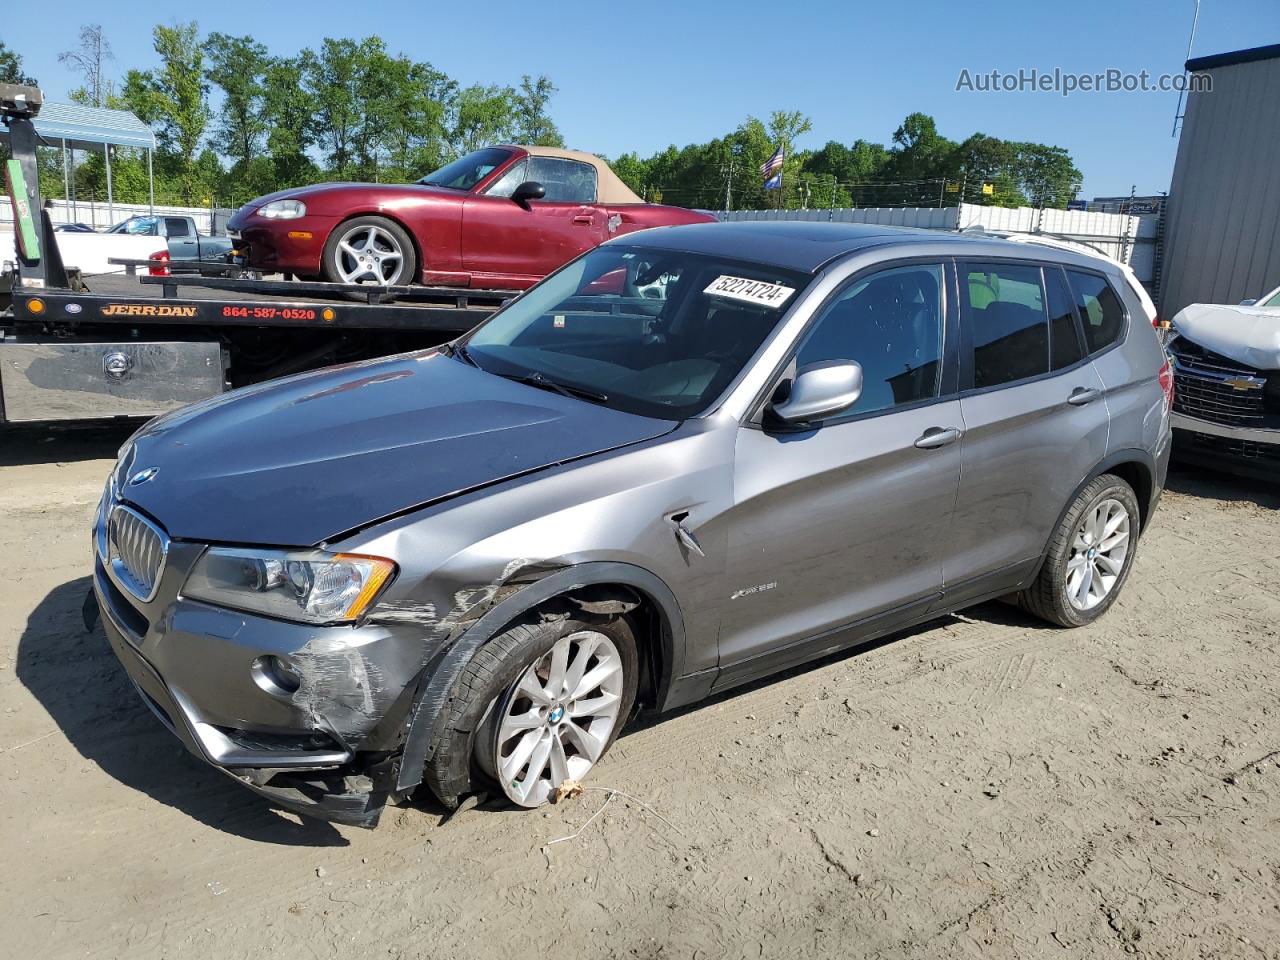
point(74, 127)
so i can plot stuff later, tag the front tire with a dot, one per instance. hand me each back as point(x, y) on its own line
point(1090, 555)
point(537, 705)
point(372, 250)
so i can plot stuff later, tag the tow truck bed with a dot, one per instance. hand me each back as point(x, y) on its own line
point(120, 345)
point(217, 301)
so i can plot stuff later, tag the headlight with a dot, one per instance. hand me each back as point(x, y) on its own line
point(306, 585)
point(283, 210)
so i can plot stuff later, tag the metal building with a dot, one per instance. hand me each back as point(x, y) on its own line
point(1222, 227)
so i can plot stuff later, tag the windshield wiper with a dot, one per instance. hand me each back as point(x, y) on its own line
point(460, 351)
point(537, 379)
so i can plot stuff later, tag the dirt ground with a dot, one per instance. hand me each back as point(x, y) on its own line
point(983, 786)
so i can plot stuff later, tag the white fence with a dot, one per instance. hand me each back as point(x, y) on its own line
point(100, 216)
point(1130, 239)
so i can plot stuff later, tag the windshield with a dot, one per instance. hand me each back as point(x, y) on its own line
point(136, 226)
point(660, 333)
point(465, 172)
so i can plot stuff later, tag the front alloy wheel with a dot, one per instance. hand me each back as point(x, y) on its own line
point(369, 250)
point(556, 720)
point(539, 704)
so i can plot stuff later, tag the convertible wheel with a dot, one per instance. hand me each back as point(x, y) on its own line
point(538, 705)
point(1090, 555)
point(370, 250)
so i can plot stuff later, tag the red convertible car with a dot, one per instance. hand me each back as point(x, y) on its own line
point(502, 217)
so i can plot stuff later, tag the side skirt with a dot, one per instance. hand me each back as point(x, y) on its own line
point(965, 594)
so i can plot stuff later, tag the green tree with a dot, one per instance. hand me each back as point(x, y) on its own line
point(341, 79)
point(1047, 174)
point(412, 118)
point(237, 66)
point(920, 154)
point(11, 68)
point(532, 124)
point(289, 109)
point(483, 115)
point(174, 100)
point(784, 127)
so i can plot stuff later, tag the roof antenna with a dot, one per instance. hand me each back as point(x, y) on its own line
point(1177, 113)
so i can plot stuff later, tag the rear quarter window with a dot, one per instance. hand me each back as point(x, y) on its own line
point(1101, 312)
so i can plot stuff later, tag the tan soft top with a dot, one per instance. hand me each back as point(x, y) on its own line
point(609, 186)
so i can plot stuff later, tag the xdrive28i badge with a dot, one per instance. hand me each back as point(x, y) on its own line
point(142, 476)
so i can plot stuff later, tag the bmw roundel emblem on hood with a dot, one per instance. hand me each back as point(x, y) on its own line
point(142, 476)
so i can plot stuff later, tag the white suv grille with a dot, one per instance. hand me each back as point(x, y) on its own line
point(136, 551)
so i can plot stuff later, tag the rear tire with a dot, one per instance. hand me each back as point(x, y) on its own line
point(518, 697)
point(372, 250)
point(1090, 555)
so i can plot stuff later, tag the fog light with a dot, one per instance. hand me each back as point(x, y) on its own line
point(276, 676)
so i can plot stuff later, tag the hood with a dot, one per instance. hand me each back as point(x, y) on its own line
point(384, 190)
point(299, 461)
point(1248, 335)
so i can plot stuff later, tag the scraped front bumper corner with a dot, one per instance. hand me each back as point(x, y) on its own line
point(332, 785)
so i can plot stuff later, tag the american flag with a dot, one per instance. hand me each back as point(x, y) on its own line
point(773, 165)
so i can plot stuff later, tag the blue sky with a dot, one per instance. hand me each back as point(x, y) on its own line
point(640, 76)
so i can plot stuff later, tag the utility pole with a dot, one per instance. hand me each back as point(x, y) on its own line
point(735, 151)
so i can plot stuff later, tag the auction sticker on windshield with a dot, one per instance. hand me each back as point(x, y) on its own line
point(749, 291)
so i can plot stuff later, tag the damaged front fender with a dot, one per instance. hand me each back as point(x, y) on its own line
point(438, 683)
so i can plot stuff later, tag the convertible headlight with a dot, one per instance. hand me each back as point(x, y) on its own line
point(283, 210)
point(307, 585)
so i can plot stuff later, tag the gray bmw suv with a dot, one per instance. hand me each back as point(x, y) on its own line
point(690, 458)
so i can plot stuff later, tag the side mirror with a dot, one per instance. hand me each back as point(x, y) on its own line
point(529, 190)
point(819, 391)
point(1247, 303)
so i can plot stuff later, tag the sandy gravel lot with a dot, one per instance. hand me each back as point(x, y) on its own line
point(983, 786)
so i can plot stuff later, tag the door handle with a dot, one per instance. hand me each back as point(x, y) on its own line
point(936, 437)
point(1082, 395)
point(583, 218)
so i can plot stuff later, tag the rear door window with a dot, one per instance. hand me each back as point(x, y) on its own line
point(1064, 338)
point(1006, 320)
point(1101, 312)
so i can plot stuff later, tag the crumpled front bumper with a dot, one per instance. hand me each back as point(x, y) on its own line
point(332, 784)
point(327, 748)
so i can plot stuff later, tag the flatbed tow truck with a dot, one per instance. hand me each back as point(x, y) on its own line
point(89, 347)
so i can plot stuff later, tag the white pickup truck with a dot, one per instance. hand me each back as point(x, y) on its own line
point(138, 238)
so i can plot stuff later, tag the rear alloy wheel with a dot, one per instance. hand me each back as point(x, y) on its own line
point(371, 250)
point(1098, 552)
point(1090, 555)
